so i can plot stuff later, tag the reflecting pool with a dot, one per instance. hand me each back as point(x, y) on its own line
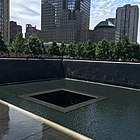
point(117, 117)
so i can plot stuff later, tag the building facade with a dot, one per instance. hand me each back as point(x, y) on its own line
point(105, 30)
point(32, 31)
point(4, 20)
point(127, 21)
point(14, 30)
point(65, 20)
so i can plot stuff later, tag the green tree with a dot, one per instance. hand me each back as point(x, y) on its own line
point(18, 44)
point(62, 49)
point(34, 46)
point(135, 51)
point(3, 47)
point(71, 50)
point(125, 49)
point(53, 50)
point(118, 50)
point(10, 48)
point(102, 50)
point(80, 50)
point(112, 50)
point(90, 50)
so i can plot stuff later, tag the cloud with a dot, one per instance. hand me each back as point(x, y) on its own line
point(25, 12)
point(29, 11)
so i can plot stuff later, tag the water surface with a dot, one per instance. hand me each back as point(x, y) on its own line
point(115, 118)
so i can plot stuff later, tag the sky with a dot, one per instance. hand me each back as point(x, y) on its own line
point(29, 11)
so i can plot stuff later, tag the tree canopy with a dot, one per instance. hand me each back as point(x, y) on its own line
point(17, 45)
point(3, 47)
point(34, 46)
point(124, 50)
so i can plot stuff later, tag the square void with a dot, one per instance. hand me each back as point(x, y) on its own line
point(63, 100)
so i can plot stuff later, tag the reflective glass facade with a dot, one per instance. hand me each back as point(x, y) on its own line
point(65, 14)
point(57, 5)
point(72, 4)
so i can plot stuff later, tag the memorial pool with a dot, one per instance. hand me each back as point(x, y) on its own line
point(117, 117)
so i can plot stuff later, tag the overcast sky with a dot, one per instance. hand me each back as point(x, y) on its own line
point(28, 11)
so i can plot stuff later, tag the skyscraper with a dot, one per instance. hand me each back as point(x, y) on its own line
point(127, 21)
point(65, 20)
point(4, 20)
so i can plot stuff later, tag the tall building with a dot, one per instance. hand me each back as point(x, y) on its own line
point(105, 30)
point(127, 21)
point(14, 30)
point(65, 20)
point(4, 20)
point(31, 31)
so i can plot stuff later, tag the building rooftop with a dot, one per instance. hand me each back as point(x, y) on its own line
point(105, 24)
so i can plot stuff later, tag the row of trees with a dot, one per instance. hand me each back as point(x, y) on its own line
point(22, 47)
point(105, 50)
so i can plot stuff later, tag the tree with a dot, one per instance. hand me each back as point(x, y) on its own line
point(62, 49)
point(80, 50)
point(90, 50)
point(118, 50)
point(3, 47)
point(34, 46)
point(135, 51)
point(112, 50)
point(53, 50)
point(102, 50)
point(71, 50)
point(18, 44)
point(126, 49)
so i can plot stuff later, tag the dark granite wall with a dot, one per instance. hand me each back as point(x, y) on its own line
point(125, 74)
point(27, 70)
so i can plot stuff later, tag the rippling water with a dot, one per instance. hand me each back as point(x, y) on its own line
point(115, 118)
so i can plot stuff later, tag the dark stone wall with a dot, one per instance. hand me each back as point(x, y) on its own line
point(124, 74)
point(28, 70)
point(22, 70)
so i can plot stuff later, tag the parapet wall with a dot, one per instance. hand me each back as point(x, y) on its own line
point(14, 70)
point(124, 74)
point(22, 70)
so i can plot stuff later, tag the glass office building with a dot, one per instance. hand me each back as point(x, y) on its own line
point(69, 17)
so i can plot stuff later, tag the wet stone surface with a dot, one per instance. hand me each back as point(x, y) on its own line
point(15, 125)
